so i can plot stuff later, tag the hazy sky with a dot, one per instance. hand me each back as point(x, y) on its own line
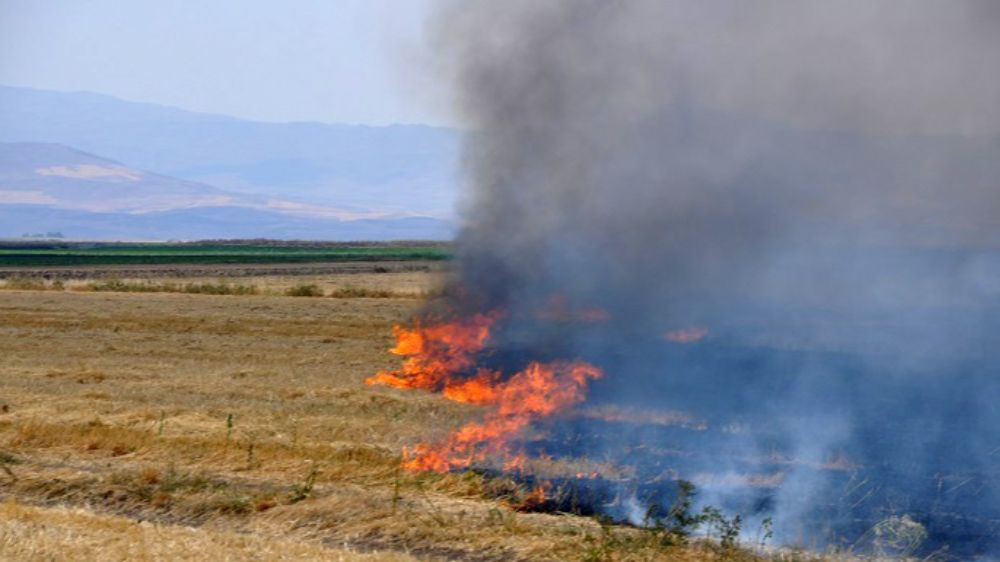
point(350, 61)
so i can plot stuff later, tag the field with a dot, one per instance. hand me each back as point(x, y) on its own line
point(177, 425)
point(38, 254)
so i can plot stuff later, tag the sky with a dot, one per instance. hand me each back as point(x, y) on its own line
point(336, 61)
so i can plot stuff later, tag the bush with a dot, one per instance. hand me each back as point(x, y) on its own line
point(219, 289)
point(349, 292)
point(25, 284)
point(119, 286)
point(304, 290)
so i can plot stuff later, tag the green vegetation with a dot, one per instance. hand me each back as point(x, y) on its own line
point(27, 284)
point(205, 288)
point(37, 254)
point(351, 292)
point(117, 286)
point(304, 290)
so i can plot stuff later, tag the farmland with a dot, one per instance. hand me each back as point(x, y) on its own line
point(171, 425)
point(46, 254)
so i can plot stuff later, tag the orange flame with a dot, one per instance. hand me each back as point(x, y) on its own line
point(515, 463)
point(438, 358)
point(538, 391)
point(533, 499)
point(480, 389)
point(436, 351)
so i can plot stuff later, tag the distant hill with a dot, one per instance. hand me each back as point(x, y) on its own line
point(402, 169)
point(211, 223)
point(65, 178)
point(48, 187)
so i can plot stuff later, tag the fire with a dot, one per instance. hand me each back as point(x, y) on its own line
point(481, 389)
point(439, 357)
point(533, 499)
point(435, 352)
point(686, 335)
point(539, 391)
point(514, 463)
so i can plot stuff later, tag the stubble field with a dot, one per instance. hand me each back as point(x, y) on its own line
point(175, 426)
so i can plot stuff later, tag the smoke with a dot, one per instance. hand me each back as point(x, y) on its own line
point(817, 183)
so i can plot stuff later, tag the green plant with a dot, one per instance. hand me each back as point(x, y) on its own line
point(679, 520)
point(251, 460)
point(7, 459)
point(304, 490)
point(728, 528)
point(766, 532)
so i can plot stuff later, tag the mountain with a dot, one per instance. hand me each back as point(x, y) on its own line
point(48, 187)
point(399, 170)
point(62, 177)
point(211, 223)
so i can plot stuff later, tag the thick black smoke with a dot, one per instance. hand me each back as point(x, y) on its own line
point(817, 183)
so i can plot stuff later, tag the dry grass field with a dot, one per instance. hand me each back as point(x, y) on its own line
point(173, 426)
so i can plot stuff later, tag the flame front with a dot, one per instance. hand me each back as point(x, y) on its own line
point(538, 391)
point(436, 352)
point(439, 358)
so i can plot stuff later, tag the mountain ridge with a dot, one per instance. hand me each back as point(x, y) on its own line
point(50, 187)
point(391, 169)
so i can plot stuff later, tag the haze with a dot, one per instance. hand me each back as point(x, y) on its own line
point(308, 60)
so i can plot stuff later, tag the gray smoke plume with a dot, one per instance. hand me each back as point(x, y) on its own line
point(815, 182)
